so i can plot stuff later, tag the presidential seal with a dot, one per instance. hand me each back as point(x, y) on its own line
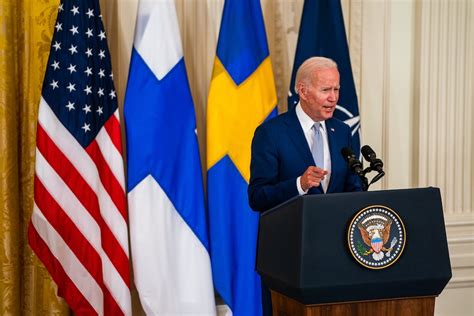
point(376, 237)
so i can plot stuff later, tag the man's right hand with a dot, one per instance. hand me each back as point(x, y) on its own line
point(312, 177)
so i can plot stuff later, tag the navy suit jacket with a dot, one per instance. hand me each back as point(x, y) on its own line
point(280, 154)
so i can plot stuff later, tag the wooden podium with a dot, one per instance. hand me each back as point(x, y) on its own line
point(303, 256)
point(420, 306)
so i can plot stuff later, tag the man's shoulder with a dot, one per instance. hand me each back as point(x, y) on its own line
point(277, 121)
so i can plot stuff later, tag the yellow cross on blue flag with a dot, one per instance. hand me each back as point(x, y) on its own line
point(241, 96)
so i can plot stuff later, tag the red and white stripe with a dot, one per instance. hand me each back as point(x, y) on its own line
point(79, 224)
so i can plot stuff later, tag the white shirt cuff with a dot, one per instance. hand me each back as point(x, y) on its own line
point(298, 186)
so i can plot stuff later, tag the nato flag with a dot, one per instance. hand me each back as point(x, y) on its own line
point(322, 33)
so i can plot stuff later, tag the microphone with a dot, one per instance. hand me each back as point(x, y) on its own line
point(354, 164)
point(369, 155)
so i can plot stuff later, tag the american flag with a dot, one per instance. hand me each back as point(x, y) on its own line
point(78, 228)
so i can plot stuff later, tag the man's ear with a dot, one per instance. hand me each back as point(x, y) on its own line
point(302, 91)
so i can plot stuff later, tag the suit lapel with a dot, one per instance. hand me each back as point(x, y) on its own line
point(333, 148)
point(296, 134)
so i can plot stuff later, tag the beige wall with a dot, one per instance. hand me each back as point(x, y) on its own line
point(413, 64)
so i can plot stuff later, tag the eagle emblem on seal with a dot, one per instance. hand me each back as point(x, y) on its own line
point(375, 232)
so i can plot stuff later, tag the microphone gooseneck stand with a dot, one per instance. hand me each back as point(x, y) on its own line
point(356, 166)
point(365, 181)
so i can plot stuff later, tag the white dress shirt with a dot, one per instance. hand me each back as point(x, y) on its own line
point(307, 124)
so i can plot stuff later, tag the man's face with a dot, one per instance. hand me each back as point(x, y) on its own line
point(319, 97)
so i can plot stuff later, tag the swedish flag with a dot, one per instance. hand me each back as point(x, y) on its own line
point(241, 96)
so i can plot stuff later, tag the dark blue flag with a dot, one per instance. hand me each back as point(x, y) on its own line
point(322, 33)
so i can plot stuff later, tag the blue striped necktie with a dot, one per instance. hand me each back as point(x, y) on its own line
point(317, 149)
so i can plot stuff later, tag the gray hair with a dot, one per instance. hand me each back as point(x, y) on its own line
point(309, 66)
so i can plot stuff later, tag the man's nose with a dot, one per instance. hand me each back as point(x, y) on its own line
point(333, 95)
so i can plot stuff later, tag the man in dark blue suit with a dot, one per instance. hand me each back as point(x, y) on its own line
point(299, 152)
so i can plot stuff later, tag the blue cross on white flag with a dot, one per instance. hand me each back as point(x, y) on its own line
point(168, 224)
